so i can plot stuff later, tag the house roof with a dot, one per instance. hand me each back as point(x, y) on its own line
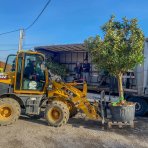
point(65, 48)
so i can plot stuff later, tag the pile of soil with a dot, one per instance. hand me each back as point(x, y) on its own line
point(125, 103)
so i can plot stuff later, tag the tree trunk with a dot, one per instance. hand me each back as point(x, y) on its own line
point(120, 87)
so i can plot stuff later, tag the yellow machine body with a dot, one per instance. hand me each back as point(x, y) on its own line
point(67, 92)
point(64, 92)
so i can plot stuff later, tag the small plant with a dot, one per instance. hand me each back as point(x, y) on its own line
point(120, 50)
point(56, 68)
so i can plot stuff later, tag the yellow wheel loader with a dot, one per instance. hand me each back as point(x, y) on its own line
point(25, 85)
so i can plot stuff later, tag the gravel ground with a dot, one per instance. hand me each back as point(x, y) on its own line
point(78, 133)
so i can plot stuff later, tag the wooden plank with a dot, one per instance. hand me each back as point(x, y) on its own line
point(120, 124)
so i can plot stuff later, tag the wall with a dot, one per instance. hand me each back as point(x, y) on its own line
point(69, 59)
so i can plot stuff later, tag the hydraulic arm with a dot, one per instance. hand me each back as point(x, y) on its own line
point(68, 91)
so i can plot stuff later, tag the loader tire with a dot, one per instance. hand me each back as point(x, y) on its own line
point(9, 111)
point(57, 114)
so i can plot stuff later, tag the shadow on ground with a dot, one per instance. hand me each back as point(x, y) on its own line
point(141, 126)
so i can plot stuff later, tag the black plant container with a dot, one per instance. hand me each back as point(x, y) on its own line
point(123, 113)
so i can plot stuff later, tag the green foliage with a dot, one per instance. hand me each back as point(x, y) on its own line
point(121, 49)
point(56, 68)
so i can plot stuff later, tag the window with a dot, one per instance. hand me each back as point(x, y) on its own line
point(33, 75)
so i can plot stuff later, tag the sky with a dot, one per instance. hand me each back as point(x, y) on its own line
point(64, 21)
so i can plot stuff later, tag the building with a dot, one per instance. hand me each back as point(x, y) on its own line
point(2, 65)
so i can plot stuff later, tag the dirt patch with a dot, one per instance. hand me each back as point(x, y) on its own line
point(79, 132)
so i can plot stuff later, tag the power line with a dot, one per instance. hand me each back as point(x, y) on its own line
point(10, 32)
point(16, 30)
point(7, 49)
point(38, 15)
point(13, 44)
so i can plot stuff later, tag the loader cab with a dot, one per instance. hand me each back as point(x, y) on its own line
point(30, 73)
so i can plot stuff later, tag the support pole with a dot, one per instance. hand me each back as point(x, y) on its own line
point(21, 40)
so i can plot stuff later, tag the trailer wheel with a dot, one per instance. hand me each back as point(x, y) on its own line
point(9, 111)
point(141, 106)
point(57, 113)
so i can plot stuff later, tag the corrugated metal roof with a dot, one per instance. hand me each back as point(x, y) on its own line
point(65, 48)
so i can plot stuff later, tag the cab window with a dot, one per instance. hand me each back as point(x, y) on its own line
point(33, 74)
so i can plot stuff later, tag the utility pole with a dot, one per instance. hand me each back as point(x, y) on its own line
point(21, 40)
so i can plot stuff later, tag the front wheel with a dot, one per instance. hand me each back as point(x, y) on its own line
point(57, 113)
point(9, 111)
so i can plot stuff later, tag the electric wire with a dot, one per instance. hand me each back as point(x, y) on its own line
point(38, 15)
point(7, 49)
point(36, 19)
point(8, 32)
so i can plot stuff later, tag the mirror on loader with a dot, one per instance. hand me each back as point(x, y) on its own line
point(30, 76)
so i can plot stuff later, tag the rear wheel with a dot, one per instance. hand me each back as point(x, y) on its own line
point(9, 111)
point(141, 106)
point(57, 113)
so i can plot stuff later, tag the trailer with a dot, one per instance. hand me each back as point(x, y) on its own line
point(135, 82)
point(140, 92)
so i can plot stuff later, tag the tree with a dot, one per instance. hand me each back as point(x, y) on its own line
point(120, 50)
